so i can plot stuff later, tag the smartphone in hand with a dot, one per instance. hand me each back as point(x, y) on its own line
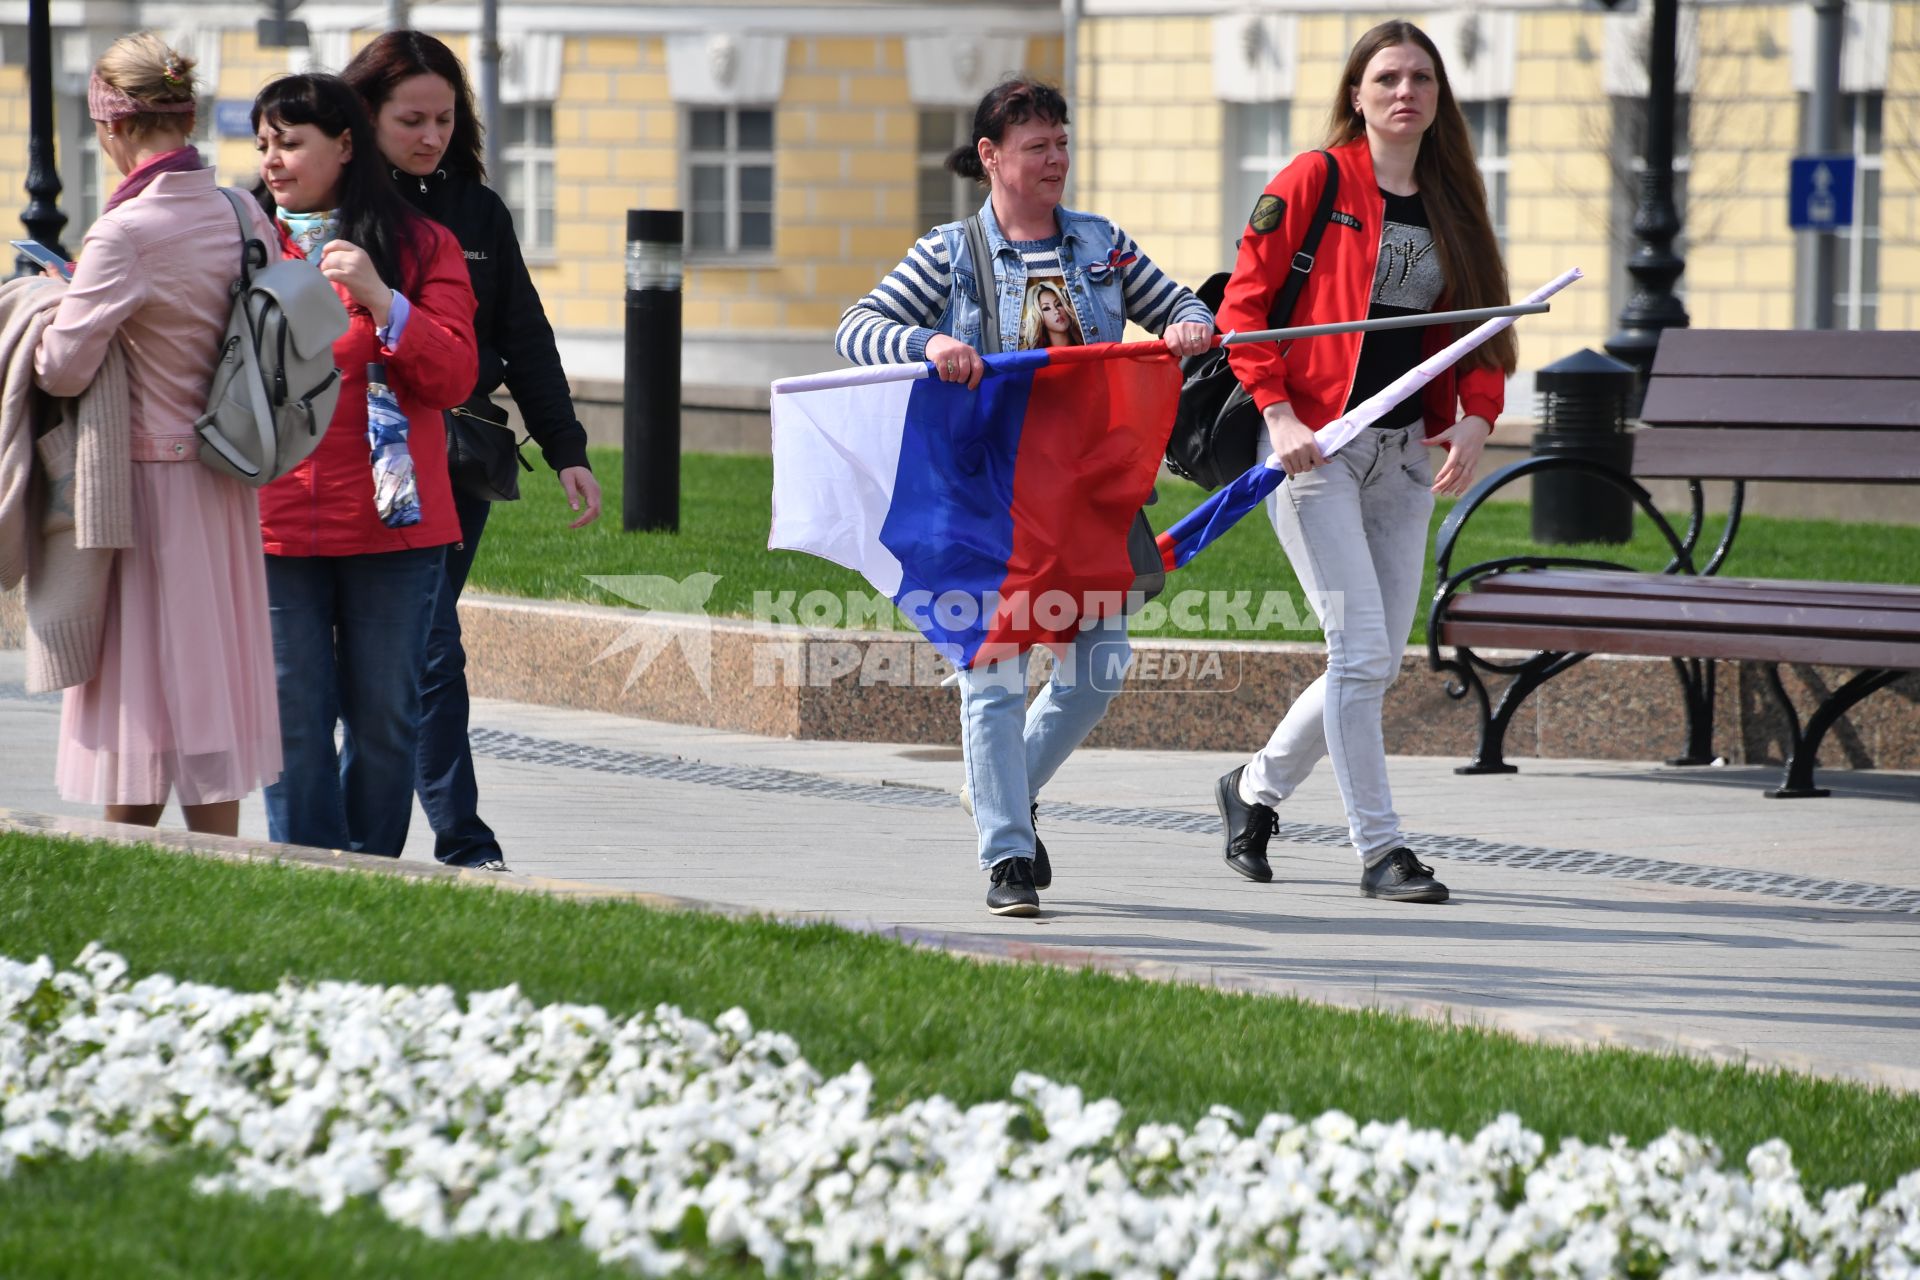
point(44, 256)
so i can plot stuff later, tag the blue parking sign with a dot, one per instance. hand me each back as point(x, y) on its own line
point(232, 117)
point(1820, 193)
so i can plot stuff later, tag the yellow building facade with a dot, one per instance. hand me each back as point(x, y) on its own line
point(803, 141)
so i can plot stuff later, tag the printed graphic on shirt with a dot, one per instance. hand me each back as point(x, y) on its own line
point(1267, 212)
point(1047, 318)
point(1345, 219)
point(1408, 275)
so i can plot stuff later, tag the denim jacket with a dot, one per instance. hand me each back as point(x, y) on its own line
point(1087, 241)
point(932, 291)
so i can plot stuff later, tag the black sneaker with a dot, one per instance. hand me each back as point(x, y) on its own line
point(1249, 827)
point(1401, 877)
point(1013, 893)
point(1042, 869)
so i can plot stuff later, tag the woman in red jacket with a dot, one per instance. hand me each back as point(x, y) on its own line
point(355, 547)
point(1409, 234)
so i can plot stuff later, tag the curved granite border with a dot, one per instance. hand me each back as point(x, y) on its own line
point(780, 680)
point(1521, 1024)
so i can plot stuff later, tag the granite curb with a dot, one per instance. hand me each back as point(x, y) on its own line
point(1520, 1024)
point(792, 681)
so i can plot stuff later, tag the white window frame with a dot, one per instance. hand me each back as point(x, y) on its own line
point(529, 159)
point(1489, 133)
point(964, 194)
point(1859, 299)
point(731, 158)
point(1247, 173)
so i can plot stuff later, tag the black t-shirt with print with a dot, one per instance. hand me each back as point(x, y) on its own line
point(1406, 282)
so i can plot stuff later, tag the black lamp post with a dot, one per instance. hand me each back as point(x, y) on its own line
point(42, 216)
point(1654, 267)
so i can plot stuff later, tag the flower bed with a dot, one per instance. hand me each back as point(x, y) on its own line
point(661, 1141)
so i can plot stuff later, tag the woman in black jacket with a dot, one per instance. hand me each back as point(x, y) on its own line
point(416, 91)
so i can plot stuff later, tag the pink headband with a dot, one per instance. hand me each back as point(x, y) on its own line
point(107, 104)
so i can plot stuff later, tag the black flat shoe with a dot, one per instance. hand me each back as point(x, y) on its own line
point(1042, 868)
point(1401, 877)
point(1012, 892)
point(1249, 827)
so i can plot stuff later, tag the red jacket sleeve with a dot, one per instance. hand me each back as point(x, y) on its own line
point(1483, 391)
point(437, 361)
point(1261, 269)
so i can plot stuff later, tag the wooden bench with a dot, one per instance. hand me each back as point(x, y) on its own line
point(1727, 405)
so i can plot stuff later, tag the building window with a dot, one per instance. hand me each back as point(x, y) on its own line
point(525, 180)
point(1856, 281)
point(1629, 162)
point(944, 196)
point(1487, 127)
point(1257, 136)
point(729, 182)
point(86, 186)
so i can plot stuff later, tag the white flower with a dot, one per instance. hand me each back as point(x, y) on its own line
point(643, 1136)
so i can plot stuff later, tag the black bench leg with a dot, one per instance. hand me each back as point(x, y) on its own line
point(1696, 689)
point(1797, 784)
point(1490, 757)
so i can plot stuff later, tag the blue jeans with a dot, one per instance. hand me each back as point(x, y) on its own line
point(349, 640)
point(443, 761)
point(1010, 756)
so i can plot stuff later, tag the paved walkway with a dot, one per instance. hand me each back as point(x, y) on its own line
point(1592, 901)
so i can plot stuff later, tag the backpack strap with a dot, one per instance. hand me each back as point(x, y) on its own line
point(982, 272)
point(1289, 295)
point(249, 244)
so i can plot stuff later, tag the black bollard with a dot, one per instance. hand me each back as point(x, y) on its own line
point(650, 498)
point(1583, 400)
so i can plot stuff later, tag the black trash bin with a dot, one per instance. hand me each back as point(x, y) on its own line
point(1583, 404)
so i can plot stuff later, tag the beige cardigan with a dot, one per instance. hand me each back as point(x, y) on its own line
point(66, 492)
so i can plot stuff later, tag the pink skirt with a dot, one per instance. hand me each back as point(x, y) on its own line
point(184, 700)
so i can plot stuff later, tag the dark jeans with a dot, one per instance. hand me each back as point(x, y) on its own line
point(349, 640)
point(443, 761)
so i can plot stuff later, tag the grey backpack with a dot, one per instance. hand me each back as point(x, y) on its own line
point(275, 386)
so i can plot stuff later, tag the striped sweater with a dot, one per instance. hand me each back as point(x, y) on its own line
point(893, 323)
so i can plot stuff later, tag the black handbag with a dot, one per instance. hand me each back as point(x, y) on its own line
point(482, 453)
point(1217, 424)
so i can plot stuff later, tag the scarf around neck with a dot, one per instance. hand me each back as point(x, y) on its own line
point(310, 232)
point(178, 160)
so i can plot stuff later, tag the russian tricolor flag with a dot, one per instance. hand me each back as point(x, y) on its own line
point(996, 519)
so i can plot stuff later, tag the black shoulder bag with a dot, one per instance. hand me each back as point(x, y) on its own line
point(1217, 423)
point(1149, 571)
point(482, 453)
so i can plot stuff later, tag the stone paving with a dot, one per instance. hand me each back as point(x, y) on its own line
point(1593, 902)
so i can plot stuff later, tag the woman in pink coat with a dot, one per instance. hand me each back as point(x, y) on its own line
point(183, 702)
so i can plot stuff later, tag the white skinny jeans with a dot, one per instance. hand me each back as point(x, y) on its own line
point(1355, 531)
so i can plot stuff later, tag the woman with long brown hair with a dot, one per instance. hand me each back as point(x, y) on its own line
point(1409, 234)
point(415, 89)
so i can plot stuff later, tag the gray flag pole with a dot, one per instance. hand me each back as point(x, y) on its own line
point(1387, 322)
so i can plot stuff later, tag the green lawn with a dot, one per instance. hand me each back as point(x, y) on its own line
point(924, 1022)
point(529, 551)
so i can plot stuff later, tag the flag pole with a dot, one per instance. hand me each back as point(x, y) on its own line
point(867, 375)
point(1474, 316)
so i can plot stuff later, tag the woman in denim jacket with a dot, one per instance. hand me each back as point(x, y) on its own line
point(927, 309)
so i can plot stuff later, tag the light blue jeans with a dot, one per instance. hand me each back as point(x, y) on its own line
point(1013, 749)
point(1355, 531)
